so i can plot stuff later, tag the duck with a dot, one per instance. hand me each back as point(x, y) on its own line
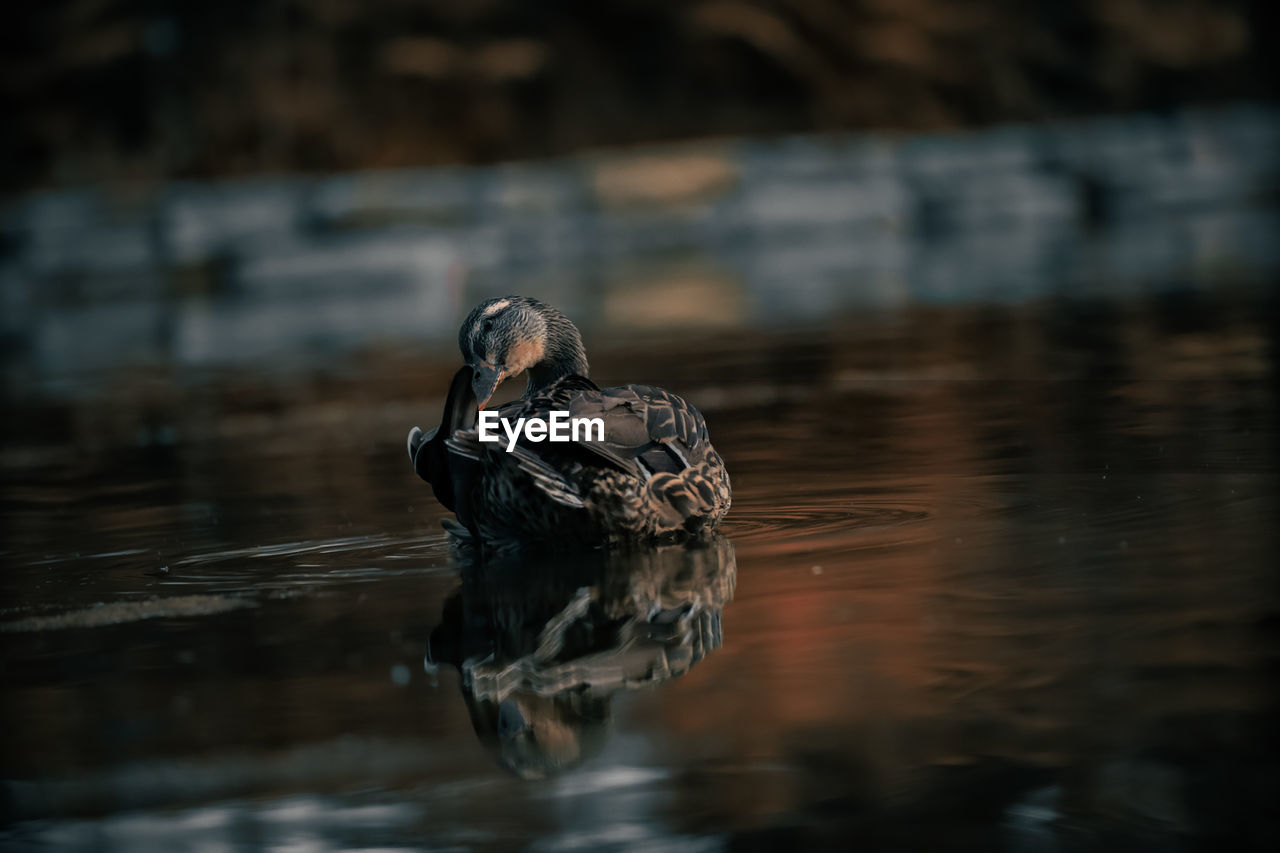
point(544, 644)
point(653, 475)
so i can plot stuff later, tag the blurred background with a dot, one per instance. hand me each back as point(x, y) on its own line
point(979, 300)
point(146, 91)
point(209, 182)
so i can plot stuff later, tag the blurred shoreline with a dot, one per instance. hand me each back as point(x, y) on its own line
point(718, 235)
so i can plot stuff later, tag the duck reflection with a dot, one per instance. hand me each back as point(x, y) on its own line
point(544, 644)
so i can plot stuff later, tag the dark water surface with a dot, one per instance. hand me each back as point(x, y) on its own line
point(995, 578)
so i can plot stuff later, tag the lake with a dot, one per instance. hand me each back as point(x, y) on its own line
point(999, 410)
point(995, 577)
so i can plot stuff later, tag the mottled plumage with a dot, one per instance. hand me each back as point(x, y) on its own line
point(654, 475)
point(543, 644)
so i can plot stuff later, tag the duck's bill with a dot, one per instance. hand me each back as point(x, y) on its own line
point(485, 381)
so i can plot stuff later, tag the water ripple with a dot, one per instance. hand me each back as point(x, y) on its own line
point(815, 519)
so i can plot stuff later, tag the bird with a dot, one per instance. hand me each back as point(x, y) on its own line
point(543, 644)
point(652, 476)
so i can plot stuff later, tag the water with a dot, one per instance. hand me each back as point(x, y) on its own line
point(996, 578)
point(999, 413)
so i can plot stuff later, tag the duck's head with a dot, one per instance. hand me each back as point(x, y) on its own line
point(537, 737)
point(509, 335)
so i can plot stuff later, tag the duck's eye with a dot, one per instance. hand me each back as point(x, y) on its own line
point(486, 326)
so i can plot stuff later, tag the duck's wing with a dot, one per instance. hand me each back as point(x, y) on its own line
point(652, 439)
point(645, 427)
point(466, 450)
point(685, 477)
point(662, 440)
point(647, 430)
